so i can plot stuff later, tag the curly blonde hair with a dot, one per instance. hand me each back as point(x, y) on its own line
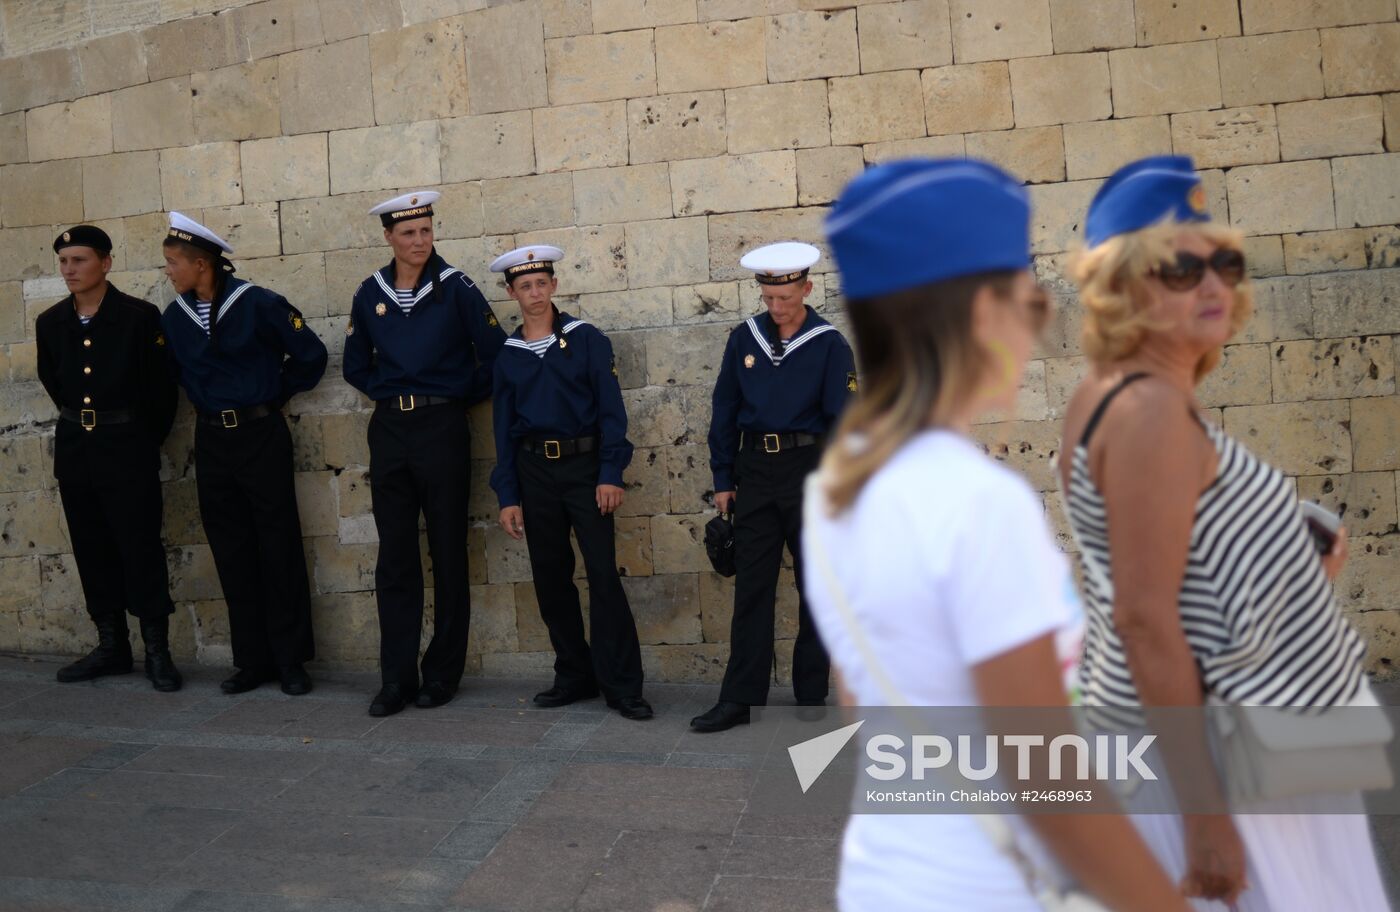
point(1113, 290)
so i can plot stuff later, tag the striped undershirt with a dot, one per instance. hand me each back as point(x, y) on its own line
point(202, 308)
point(405, 296)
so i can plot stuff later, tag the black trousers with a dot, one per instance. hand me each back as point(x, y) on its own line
point(557, 495)
point(420, 462)
point(115, 529)
point(767, 516)
point(248, 503)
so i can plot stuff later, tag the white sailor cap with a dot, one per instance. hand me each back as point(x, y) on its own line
point(533, 258)
point(418, 204)
point(779, 264)
point(184, 228)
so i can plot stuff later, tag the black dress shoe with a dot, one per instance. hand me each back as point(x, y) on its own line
point(390, 700)
point(434, 694)
point(246, 679)
point(563, 696)
point(295, 681)
point(721, 717)
point(634, 708)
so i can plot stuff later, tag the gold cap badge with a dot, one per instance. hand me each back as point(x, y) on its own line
point(68, 235)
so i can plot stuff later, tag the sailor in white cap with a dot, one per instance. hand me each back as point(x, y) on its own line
point(561, 448)
point(241, 352)
point(785, 377)
point(421, 342)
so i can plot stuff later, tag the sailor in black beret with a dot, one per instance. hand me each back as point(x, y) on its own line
point(421, 343)
point(241, 352)
point(101, 357)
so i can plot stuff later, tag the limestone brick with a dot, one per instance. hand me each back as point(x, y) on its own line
point(31, 26)
point(331, 223)
point(1035, 155)
point(925, 146)
point(285, 167)
point(1165, 79)
point(1297, 438)
point(1291, 196)
point(383, 158)
point(112, 62)
point(1361, 59)
point(678, 545)
point(710, 55)
point(671, 127)
point(880, 106)
point(671, 610)
point(1347, 248)
point(250, 230)
point(1364, 500)
point(341, 19)
point(39, 79)
point(184, 46)
point(657, 419)
point(13, 324)
point(999, 29)
point(731, 236)
point(595, 261)
point(198, 176)
point(821, 173)
point(70, 129)
point(686, 356)
point(1229, 137)
point(1355, 303)
point(966, 99)
point(1373, 424)
point(1366, 588)
point(630, 194)
point(419, 72)
point(301, 280)
point(237, 102)
point(903, 36)
point(1025, 446)
point(1290, 15)
point(122, 184)
point(41, 194)
point(1282, 310)
point(1264, 256)
point(506, 59)
point(581, 136)
point(527, 203)
point(667, 252)
point(1270, 68)
point(416, 12)
point(153, 116)
point(14, 145)
point(458, 214)
point(1337, 126)
point(1333, 369)
point(622, 15)
point(811, 45)
point(1097, 149)
point(1091, 25)
point(1057, 214)
point(1062, 89)
point(744, 9)
point(645, 478)
point(278, 27)
point(710, 302)
point(1172, 21)
point(600, 67)
point(789, 115)
point(1392, 122)
point(326, 88)
point(1367, 189)
point(761, 180)
point(488, 146)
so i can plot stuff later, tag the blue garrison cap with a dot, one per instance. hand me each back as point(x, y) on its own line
point(1144, 193)
point(918, 221)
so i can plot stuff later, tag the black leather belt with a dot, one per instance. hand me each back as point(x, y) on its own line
point(776, 443)
point(557, 449)
point(232, 418)
point(91, 418)
point(409, 403)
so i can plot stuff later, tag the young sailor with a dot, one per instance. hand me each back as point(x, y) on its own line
point(561, 447)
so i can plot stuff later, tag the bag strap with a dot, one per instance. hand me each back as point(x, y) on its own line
point(997, 831)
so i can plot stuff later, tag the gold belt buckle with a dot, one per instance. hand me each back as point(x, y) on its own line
point(772, 443)
point(87, 418)
point(229, 418)
point(407, 408)
point(557, 453)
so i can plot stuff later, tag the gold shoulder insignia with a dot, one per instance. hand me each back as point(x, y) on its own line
point(297, 322)
point(160, 338)
point(491, 318)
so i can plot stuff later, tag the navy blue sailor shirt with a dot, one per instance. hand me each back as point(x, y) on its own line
point(802, 390)
point(558, 394)
point(257, 349)
point(445, 345)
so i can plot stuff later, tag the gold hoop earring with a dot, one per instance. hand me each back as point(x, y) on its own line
point(1006, 366)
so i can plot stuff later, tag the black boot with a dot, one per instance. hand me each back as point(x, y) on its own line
point(160, 667)
point(111, 657)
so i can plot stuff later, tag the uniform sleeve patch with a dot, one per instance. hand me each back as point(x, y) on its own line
point(491, 318)
point(852, 383)
point(298, 324)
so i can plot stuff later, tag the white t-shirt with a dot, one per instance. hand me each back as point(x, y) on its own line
point(945, 560)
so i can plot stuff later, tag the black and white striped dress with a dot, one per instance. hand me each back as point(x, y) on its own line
point(1256, 605)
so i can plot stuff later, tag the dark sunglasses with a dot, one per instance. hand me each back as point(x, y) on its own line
point(1189, 270)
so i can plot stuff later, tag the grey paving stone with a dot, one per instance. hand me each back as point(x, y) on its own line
point(23, 894)
point(220, 761)
point(568, 735)
point(631, 812)
point(222, 901)
point(433, 881)
point(335, 834)
point(655, 782)
point(713, 761)
point(99, 706)
point(504, 728)
point(472, 840)
point(28, 759)
point(296, 874)
point(816, 826)
point(629, 758)
point(793, 856)
point(649, 871)
point(771, 894)
point(261, 717)
point(115, 755)
point(14, 691)
point(183, 790)
point(655, 736)
point(504, 805)
point(333, 720)
point(434, 789)
point(514, 879)
point(64, 783)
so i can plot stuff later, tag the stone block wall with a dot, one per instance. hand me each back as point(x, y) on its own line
point(655, 140)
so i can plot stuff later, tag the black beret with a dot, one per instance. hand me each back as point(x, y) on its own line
point(84, 236)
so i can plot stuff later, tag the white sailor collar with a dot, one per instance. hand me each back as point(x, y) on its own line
point(811, 327)
point(232, 290)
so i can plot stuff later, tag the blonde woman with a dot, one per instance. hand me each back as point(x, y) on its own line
point(945, 563)
point(1201, 577)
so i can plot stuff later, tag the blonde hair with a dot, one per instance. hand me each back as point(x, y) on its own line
point(919, 365)
point(1113, 290)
